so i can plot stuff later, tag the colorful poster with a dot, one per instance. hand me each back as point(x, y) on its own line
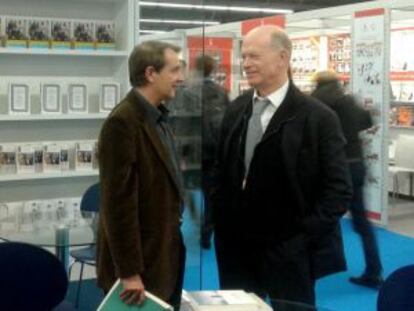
point(220, 49)
point(369, 78)
point(339, 51)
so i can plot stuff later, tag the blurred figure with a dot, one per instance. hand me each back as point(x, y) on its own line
point(354, 119)
point(213, 100)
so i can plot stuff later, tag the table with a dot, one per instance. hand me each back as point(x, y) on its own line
point(60, 235)
point(285, 305)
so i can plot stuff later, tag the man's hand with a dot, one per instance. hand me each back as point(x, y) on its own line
point(133, 290)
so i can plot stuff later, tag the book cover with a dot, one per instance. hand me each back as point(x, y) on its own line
point(84, 155)
point(7, 159)
point(51, 157)
point(38, 158)
point(73, 213)
point(64, 157)
point(60, 34)
point(9, 216)
point(225, 300)
point(105, 35)
point(112, 302)
point(16, 33)
point(83, 35)
point(30, 217)
point(38, 31)
point(25, 159)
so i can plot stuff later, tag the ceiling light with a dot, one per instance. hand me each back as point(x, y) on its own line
point(151, 31)
point(214, 7)
point(177, 21)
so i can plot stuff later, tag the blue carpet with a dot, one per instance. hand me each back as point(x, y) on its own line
point(334, 292)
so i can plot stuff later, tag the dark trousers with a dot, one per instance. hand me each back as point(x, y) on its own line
point(175, 299)
point(360, 222)
point(207, 226)
point(280, 271)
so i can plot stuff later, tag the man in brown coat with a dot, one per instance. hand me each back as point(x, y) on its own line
point(139, 237)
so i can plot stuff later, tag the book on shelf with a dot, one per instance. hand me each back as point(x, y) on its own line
point(38, 158)
point(109, 96)
point(51, 157)
point(78, 98)
point(10, 216)
point(72, 206)
point(7, 159)
point(60, 34)
point(64, 157)
point(30, 216)
point(38, 32)
point(223, 300)
point(19, 98)
point(83, 34)
point(112, 302)
point(95, 160)
point(25, 159)
point(84, 155)
point(16, 32)
point(51, 98)
point(105, 35)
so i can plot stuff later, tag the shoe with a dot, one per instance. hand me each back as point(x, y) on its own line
point(374, 282)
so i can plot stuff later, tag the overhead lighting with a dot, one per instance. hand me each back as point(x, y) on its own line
point(151, 31)
point(214, 7)
point(177, 21)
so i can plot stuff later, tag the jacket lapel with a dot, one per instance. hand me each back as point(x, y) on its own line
point(155, 140)
point(287, 111)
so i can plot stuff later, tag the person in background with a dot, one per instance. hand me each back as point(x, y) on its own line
point(354, 119)
point(139, 236)
point(214, 101)
point(281, 181)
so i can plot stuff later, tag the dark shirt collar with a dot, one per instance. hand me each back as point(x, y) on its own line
point(155, 114)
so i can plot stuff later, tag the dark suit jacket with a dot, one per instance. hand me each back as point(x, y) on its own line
point(312, 150)
point(139, 230)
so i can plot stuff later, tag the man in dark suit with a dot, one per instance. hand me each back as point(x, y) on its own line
point(354, 119)
point(282, 181)
point(139, 237)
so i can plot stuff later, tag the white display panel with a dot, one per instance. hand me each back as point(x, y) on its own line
point(369, 80)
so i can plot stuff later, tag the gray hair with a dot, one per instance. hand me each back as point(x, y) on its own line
point(280, 40)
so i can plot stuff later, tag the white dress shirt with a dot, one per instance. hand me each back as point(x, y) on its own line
point(276, 98)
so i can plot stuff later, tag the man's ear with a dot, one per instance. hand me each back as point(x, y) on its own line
point(149, 73)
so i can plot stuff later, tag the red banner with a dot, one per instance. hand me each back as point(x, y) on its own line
point(250, 24)
point(372, 12)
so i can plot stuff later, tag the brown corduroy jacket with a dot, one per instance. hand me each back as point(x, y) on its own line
point(139, 229)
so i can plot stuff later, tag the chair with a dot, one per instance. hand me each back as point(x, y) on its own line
point(397, 293)
point(403, 159)
point(90, 203)
point(31, 278)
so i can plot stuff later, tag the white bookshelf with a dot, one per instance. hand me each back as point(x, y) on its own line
point(45, 117)
point(51, 52)
point(54, 175)
point(34, 66)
